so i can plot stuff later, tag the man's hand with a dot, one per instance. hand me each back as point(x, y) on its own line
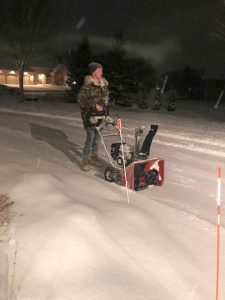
point(99, 107)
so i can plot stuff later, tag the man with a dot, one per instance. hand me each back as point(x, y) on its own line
point(92, 98)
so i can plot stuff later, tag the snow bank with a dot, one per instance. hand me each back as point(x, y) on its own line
point(88, 260)
point(88, 243)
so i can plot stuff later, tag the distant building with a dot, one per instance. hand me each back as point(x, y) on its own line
point(35, 75)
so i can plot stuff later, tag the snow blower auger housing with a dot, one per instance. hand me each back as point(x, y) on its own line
point(141, 171)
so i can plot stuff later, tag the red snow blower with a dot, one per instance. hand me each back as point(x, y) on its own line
point(130, 165)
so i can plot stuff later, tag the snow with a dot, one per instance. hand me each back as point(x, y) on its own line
point(41, 87)
point(77, 236)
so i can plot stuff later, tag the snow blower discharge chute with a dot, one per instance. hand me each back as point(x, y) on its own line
point(141, 170)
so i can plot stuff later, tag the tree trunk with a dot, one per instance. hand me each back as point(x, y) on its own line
point(21, 85)
point(20, 68)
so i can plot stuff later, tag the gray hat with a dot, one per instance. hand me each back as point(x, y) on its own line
point(93, 66)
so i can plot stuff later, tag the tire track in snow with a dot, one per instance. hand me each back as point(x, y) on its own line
point(192, 147)
point(215, 148)
point(206, 146)
point(196, 212)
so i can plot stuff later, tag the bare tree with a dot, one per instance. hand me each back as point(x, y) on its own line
point(24, 26)
point(219, 30)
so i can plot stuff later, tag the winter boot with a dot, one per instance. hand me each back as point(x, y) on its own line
point(94, 160)
point(85, 164)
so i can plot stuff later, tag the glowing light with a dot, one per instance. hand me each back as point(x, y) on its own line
point(12, 72)
point(25, 73)
point(31, 77)
point(41, 76)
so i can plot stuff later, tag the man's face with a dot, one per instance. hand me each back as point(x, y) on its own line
point(98, 73)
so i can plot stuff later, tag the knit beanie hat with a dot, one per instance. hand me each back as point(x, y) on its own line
point(93, 66)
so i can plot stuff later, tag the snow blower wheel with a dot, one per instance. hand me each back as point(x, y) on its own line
point(111, 174)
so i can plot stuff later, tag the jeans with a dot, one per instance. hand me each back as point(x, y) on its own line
point(91, 143)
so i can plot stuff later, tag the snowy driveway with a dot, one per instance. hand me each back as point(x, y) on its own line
point(77, 236)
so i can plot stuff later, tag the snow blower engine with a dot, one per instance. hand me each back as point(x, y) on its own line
point(141, 171)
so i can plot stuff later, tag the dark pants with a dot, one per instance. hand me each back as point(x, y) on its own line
point(91, 143)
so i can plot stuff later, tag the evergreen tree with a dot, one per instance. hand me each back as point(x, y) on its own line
point(140, 75)
point(127, 75)
point(77, 62)
point(113, 62)
point(191, 82)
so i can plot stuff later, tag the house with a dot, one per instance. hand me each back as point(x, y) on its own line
point(35, 75)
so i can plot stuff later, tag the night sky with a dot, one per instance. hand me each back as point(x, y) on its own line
point(171, 33)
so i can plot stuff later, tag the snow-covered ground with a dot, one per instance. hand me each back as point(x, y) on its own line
point(73, 235)
point(41, 87)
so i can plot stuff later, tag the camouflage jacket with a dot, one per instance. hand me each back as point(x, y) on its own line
point(89, 95)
